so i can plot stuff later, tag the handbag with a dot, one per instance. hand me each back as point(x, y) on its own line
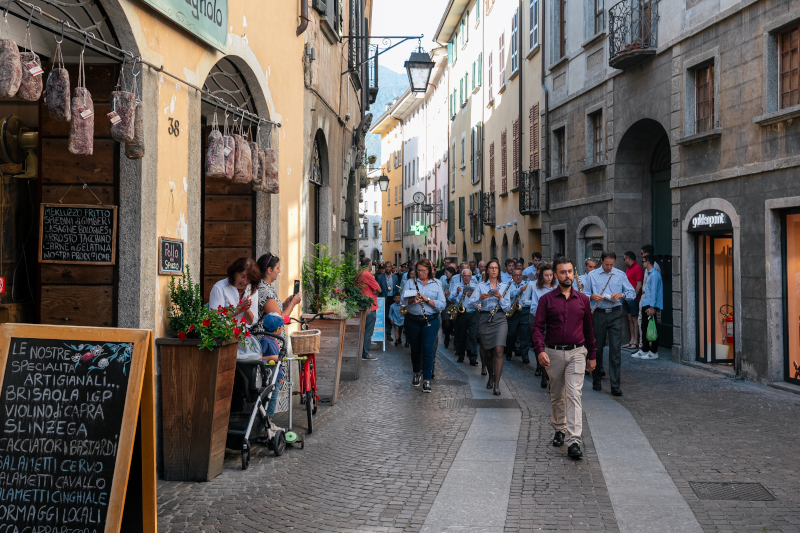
point(652, 330)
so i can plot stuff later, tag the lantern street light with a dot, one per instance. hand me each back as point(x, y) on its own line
point(383, 182)
point(419, 67)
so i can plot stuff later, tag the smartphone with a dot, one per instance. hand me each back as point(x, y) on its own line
point(296, 286)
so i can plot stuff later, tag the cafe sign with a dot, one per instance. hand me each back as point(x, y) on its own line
point(207, 19)
point(710, 220)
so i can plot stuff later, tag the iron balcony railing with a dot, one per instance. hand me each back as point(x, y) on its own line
point(632, 28)
point(488, 209)
point(373, 74)
point(529, 193)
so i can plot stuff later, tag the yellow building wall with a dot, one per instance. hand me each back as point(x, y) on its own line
point(391, 142)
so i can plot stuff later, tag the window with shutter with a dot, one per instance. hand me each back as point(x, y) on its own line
point(515, 154)
point(474, 65)
point(502, 60)
point(562, 28)
point(472, 158)
point(450, 52)
point(451, 221)
point(704, 98)
point(533, 24)
point(490, 77)
point(491, 167)
point(466, 27)
point(534, 137)
point(515, 42)
point(503, 163)
point(461, 213)
point(789, 68)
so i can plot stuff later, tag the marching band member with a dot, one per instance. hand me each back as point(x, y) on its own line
point(530, 272)
point(580, 281)
point(466, 323)
point(425, 300)
point(490, 297)
point(519, 328)
point(447, 323)
point(508, 274)
point(545, 282)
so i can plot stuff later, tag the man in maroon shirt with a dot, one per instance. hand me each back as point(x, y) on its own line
point(566, 350)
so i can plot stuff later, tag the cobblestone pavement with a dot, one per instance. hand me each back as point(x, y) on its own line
point(377, 460)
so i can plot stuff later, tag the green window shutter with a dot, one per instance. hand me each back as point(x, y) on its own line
point(461, 213)
point(473, 75)
point(466, 28)
point(451, 221)
point(477, 11)
point(449, 52)
point(480, 69)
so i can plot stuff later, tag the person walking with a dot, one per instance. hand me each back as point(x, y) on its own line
point(589, 264)
point(631, 307)
point(563, 337)
point(490, 297)
point(607, 287)
point(531, 271)
point(481, 271)
point(465, 340)
point(388, 283)
point(545, 282)
point(508, 274)
point(652, 301)
point(368, 288)
point(519, 328)
point(396, 318)
point(448, 324)
point(422, 321)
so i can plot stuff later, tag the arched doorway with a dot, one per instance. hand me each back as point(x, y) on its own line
point(493, 249)
point(228, 209)
point(504, 250)
point(643, 163)
point(376, 255)
point(516, 246)
point(591, 241)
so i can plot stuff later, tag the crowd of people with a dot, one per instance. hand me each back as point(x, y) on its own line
point(492, 313)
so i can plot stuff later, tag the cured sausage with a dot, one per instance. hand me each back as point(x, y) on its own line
point(135, 149)
point(10, 68)
point(81, 131)
point(124, 104)
point(30, 88)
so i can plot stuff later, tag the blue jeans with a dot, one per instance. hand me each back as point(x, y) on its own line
point(422, 339)
point(368, 329)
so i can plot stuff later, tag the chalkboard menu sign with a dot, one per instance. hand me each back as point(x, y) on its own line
point(69, 405)
point(170, 256)
point(78, 234)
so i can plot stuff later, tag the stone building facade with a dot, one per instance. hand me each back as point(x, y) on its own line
point(671, 124)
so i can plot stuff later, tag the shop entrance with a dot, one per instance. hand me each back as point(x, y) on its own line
point(791, 296)
point(714, 278)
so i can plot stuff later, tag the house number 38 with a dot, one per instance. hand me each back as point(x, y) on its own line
point(174, 127)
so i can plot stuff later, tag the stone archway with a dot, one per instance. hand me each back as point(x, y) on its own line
point(591, 233)
point(493, 248)
point(504, 250)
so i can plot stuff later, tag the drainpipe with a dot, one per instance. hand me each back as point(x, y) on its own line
point(546, 161)
point(521, 77)
point(303, 17)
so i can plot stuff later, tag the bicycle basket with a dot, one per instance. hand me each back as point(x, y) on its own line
point(305, 342)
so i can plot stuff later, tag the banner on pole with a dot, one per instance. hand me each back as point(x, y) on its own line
point(379, 333)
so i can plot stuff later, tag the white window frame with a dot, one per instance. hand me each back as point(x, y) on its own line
point(515, 42)
point(502, 72)
point(533, 24)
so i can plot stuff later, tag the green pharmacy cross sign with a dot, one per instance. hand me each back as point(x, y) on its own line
point(418, 228)
point(206, 19)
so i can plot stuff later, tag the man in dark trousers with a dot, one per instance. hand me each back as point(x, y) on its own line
point(388, 282)
point(519, 328)
point(567, 350)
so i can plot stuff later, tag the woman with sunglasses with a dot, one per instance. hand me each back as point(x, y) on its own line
point(422, 328)
point(492, 323)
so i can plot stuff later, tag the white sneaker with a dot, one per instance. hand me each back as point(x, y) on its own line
point(640, 354)
point(650, 355)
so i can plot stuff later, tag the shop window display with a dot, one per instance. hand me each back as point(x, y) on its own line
point(715, 299)
point(792, 296)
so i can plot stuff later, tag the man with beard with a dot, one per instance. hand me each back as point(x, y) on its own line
point(563, 337)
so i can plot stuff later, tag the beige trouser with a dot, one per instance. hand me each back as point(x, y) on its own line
point(566, 372)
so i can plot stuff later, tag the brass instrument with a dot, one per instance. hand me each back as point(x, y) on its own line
point(403, 308)
point(516, 306)
point(491, 315)
point(456, 309)
point(578, 282)
point(421, 304)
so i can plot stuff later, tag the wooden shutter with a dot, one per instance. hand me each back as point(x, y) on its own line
point(515, 153)
point(534, 140)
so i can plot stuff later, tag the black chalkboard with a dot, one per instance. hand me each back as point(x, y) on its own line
point(77, 234)
point(77, 420)
point(170, 256)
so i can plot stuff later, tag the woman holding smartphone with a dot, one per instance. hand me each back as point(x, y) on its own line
point(268, 302)
point(238, 290)
point(490, 297)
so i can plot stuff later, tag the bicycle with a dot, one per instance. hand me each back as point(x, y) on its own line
point(308, 377)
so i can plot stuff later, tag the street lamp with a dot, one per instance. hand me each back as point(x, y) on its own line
point(383, 183)
point(419, 67)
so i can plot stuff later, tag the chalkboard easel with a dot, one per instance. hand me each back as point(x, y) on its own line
point(78, 409)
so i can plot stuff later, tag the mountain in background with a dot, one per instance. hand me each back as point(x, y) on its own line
point(391, 85)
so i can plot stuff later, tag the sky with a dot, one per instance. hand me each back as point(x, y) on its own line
point(409, 17)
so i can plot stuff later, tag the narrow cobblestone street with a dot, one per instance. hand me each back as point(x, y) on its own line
point(379, 459)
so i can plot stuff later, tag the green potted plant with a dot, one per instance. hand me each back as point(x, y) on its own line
point(354, 307)
point(197, 368)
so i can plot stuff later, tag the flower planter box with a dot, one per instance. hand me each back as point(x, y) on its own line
point(353, 346)
point(329, 359)
point(196, 388)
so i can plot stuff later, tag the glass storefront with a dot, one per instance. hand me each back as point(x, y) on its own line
point(715, 298)
point(791, 268)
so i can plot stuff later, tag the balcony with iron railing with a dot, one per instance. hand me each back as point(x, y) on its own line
point(488, 209)
point(529, 193)
point(632, 33)
point(373, 74)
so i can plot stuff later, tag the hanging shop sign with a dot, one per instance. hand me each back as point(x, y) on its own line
point(170, 256)
point(207, 19)
point(70, 402)
point(710, 220)
point(78, 234)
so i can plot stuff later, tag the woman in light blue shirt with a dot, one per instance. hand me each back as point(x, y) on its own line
point(490, 297)
point(545, 282)
point(422, 321)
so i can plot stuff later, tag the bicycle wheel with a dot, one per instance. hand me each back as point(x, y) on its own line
point(310, 409)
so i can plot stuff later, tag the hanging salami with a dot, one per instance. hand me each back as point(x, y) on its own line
point(230, 155)
point(243, 162)
point(271, 171)
point(215, 153)
point(254, 158)
point(10, 68)
point(30, 88)
point(81, 131)
point(135, 149)
point(258, 180)
point(57, 90)
point(123, 112)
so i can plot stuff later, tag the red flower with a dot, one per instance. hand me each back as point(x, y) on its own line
point(242, 320)
point(191, 327)
point(181, 336)
point(236, 331)
point(246, 333)
point(206, 322)
point(87, 357)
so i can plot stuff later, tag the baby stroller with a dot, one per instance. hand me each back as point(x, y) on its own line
point(253, 386)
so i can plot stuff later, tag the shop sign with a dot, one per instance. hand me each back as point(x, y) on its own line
point(78, 234)
point(207, 19)
point(710, 220)
point(170, 256)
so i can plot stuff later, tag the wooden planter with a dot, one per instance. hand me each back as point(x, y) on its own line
point(353, 346)
point(196, 388)
point(329, 360)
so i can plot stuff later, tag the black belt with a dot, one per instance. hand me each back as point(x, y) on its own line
point(564, 347)
point(420, 317)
